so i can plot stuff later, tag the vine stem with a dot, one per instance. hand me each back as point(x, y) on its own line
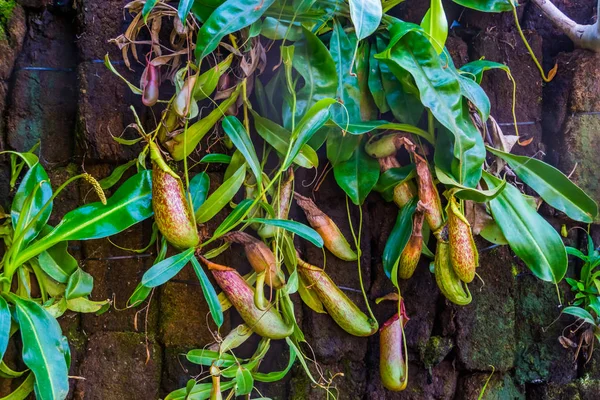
point(357, 240)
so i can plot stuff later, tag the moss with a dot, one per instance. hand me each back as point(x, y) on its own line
point(436, 350)
point(6, 10)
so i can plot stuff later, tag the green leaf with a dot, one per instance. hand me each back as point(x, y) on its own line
point(312, 121)
point(529, 235)
point(440, 91)
point(436, 25)
point(229, 17)
point(552, 185)
point(201, 391)
point(57, 262)
point(580, 313)
point(476, 68)
point(368, 108)
point(216, 158)
point(199, 186)
point(234, 217)
point(23, 211)
point(388, 180)
point(466, 193)
point(341, 146)
point(314, 63)
point(209, 357)
point(140, 294)
point(221, 197)
point(403, 103)
point(184, 144)
point(80, 284)
point(279, 138)
point(366, 16)
point(241, 140)
point(295, 227)
point(167, 268)
point(184, 9)
point(5, 322)
point(375, 82)
point(357, 176)
point(397, 240)
point(491, 6)
point(44, 351)
point(278, 375)
point(210, 295)
point(131, 203)
point(107, 63)
point(24, 389)
point(148, 6)
point(83, 305)
point(342, 47)
point(116, 175)
point(244, 381)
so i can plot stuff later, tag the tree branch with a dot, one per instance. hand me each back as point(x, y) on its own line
point(584, 36)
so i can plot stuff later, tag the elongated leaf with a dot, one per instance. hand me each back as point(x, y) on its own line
point(199, 186)
point(216, 158)
point(375, 82)
point(491, 6)
point(201, 391)
point(241, 140)
point(276, 376)
point(44, 350)
point(80, 284)
point(436, 25)
point(116, 175)
point(579, 313)
point(368, 108)
point(5, 321)
point(229, 17)
point(279, 137)
point(131, 203)
point(234, 217)
point(357, 176)
point(403, 103)
point(440, 91)
point(476, 68)
point(167, 268)
point(391, 178)
point(210, 295)
point(342, 47)
point(552, 185)
point(244, 381)
point(366, 16)
point(184, 9)
point(313, 61)
point(532, 239)
point(312, 121)
point(83, 305)
point(466, 193)
point(108, 64)
point(341, 146)
point(295, 227)
point(148, 6)
point(35, 179)
point(184, 144)
point(57, 262)
point(208, 357)
point(222, 196)
point(397, 241)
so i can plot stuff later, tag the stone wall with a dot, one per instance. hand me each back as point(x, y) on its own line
point(54, 87)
